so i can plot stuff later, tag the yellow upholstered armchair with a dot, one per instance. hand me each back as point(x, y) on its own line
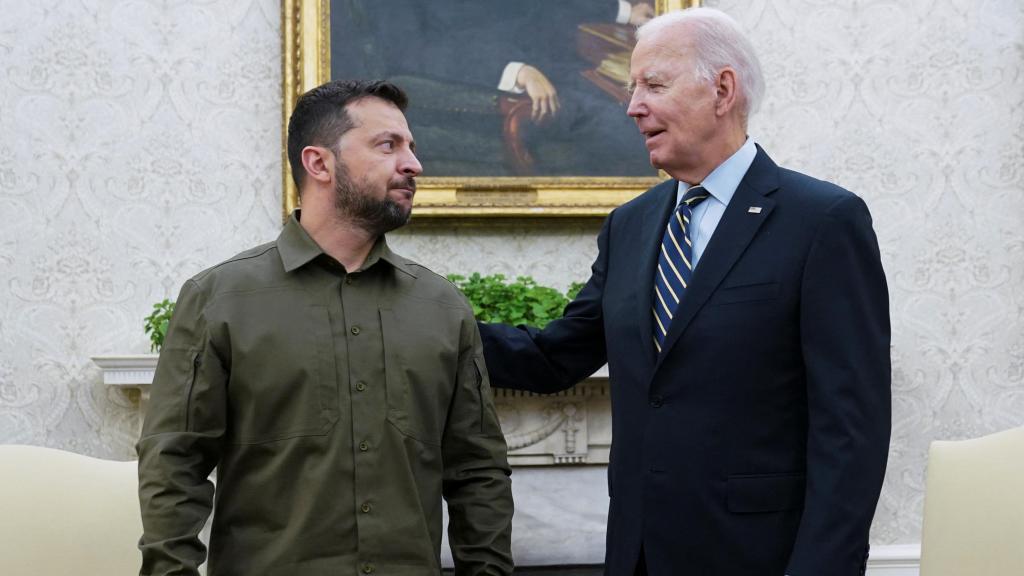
point(974, 507)
point(64, 513)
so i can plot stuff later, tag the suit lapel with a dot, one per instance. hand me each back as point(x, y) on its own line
point(655, 218)
point(732, 236)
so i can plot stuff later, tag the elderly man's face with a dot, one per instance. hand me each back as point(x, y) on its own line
point(674, 110)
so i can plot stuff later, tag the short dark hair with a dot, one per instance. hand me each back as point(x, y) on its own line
point(320, 117)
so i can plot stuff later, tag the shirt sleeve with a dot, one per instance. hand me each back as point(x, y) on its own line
point(477, 484)
point(625, 9)
point(508, 78)
point(566, 351)
point(180, 443)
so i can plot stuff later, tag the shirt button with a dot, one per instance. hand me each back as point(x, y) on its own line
point(365, 507)
point(355, 330)
point(364, 446)
point(350, 279)
point(656, 401)
point(367, 568)
point(360, 386)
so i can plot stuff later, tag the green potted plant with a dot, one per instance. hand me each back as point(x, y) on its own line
point(521, 301)
point(156, 323)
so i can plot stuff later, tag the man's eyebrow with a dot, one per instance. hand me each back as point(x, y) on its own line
point(653, 77)
point(645, 78)
point(393, 135)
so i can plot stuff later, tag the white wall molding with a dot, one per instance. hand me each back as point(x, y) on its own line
point(895, 560)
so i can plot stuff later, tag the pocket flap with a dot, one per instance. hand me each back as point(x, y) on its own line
point(765, 492)
point(747, 293)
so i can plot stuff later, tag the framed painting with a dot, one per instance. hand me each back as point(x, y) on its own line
point(518, 107)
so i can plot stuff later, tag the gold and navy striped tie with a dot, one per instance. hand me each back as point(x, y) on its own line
point(675, 264)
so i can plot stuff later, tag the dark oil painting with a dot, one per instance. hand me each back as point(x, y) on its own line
point(561, 111)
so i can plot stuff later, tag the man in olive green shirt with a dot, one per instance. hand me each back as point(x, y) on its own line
point(338, 388)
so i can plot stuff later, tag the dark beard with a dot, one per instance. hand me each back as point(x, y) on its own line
point(354, 201)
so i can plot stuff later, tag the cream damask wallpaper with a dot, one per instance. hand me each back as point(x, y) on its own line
point(139, 143)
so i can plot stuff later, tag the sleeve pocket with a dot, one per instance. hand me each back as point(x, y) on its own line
point(765, 492)
point(168, 409)
point(195, 362)
point(489, 424)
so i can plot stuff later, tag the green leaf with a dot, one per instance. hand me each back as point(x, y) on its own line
point(522, 301)
point(157, 322)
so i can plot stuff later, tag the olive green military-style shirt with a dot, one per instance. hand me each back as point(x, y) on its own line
point(338, 409)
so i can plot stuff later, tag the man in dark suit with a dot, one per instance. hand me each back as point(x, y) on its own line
point(743, 314)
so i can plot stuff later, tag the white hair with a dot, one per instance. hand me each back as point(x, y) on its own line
point(718, 42)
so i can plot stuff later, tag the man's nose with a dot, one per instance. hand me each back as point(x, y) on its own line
point(410, 165)
point(636, 106)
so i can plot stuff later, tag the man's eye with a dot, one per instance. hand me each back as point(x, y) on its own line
point(387, 145)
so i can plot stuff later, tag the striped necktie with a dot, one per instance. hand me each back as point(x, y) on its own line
point(675, 264)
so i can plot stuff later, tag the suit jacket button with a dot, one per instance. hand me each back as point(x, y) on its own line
point(656, 401)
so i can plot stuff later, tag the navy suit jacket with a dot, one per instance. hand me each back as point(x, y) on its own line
point(756, 443)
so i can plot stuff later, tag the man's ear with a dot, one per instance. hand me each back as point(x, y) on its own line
point(317, 161)
point(726, 91)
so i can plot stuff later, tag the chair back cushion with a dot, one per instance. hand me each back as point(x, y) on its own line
point(974, 507)
point(64, 513)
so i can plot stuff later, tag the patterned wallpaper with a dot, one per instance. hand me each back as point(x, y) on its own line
point(919, 107)
point(139, 143)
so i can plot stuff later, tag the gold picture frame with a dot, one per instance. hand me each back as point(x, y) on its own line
point(306, 53)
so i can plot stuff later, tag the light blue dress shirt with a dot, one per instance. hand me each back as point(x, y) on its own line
point(721, 184)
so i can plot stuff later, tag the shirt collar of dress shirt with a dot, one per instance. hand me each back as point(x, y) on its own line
point(297, 248)
point(723, 180)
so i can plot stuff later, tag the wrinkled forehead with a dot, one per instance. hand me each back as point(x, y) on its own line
point(661, 56)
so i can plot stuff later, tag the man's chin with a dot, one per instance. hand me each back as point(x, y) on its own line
point(404, 205)
point(400, 215)
point(403, 212)
point(406, 216)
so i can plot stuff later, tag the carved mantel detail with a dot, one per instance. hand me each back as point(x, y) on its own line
point(571, 427)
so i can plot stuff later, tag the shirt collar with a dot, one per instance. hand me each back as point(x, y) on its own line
point(725, 179)
point(297, 248)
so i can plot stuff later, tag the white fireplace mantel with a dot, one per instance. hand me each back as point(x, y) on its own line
point(571, 427)
point(132, 373)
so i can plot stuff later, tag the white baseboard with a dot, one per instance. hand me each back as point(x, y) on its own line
point(895, 560)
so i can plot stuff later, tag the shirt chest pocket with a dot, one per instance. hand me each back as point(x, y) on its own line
point(420, 365)
point(283, 383)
